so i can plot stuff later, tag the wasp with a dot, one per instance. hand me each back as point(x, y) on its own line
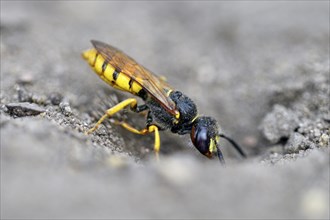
point(166, 108)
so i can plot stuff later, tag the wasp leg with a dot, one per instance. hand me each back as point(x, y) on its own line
point(140, 108)
point(131, 128)
point(150, 129)
point(131, 102)
point(154, 128)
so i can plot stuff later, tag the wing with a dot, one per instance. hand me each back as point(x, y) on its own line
point(153, 85)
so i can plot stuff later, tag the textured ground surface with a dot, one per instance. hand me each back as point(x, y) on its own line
point(260, 68)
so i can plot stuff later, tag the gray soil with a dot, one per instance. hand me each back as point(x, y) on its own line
point(260, 68)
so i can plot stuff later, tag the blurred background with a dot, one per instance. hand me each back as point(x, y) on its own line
point(236, 60)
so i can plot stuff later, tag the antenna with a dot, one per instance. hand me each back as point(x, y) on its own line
point(235, 145)
point(221, 159)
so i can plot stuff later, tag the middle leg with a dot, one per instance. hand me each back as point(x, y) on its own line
point(149, 129)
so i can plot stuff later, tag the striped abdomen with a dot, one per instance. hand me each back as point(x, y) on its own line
point(111, 75)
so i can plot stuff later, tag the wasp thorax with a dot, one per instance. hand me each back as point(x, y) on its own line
point(188, 112)
point(184, 105)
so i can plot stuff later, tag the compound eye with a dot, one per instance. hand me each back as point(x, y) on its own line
point(201, 140)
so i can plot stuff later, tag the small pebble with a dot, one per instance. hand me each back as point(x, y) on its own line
point(66, 109)
point(55, 98)
point(296, 142)
point(324, 140)
point(279, 123)
point(24, 109)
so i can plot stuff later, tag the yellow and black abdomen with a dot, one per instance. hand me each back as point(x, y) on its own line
point(110, 74)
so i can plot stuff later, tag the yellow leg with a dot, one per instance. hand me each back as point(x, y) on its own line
point(131, 102)
point(150, 129)
point(130, 128)
point(154, 128)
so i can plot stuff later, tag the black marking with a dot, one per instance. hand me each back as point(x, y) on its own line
point(104, 66)
point(115, 74)
point(142, 94)
point(141, 108)
point(118, 70)
point(130, 83)
point(96, 55)
point(149, 119)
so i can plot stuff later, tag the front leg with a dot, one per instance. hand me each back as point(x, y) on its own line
point(111, 111)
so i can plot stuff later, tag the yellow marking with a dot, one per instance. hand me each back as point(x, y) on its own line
point(136, 88)
point(177, 115)
point(169, 92)
point(132, 102)
point(195, 118)
point(98, 64)
point(122, 81)
point(217, 138)
point(108, 72)
point(212, 147)
point(117, 87)
point(89, 55)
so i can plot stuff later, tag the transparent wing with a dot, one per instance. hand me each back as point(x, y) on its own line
point(151, 83)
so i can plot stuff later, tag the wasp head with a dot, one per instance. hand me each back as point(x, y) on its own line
point(205, 136)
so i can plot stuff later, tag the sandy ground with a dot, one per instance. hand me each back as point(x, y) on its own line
point(260, 68)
